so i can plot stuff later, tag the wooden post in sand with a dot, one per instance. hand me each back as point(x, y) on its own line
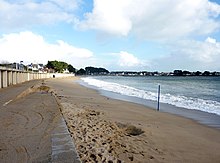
point(158, 99)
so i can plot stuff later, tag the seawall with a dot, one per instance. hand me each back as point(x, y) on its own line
point(12, 76)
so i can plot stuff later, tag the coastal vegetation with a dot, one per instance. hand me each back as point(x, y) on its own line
point(63, 67)
point(60, 66)
point(96, 71)
point(81, 72)
point(92, 71)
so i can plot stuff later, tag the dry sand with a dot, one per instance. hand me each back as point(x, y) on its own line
point(108, 130)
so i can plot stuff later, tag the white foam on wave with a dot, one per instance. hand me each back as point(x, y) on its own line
point(179, 101)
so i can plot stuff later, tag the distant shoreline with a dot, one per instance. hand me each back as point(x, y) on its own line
point(102, 71)
point(150, 74)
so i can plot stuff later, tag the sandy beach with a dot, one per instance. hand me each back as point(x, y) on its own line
point(107, 130)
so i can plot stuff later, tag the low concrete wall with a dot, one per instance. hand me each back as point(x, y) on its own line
point(12, 76)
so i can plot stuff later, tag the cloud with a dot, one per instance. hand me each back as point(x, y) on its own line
point(153, 19)
point(206, 52)
point(211, 40)
point(30, 47)
point(128, 60)
point(67, 5)
point(20, 13)
point(108, 16)
point(72, 51)
point(192, 55)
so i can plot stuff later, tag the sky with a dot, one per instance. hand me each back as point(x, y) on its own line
point(119, 35)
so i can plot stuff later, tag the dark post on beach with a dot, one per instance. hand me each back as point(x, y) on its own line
point(158, 100)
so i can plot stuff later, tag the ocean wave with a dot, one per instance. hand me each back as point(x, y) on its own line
point(179, 101)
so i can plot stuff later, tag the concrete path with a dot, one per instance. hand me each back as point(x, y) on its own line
point(32, 128)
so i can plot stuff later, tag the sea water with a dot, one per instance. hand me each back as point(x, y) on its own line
point(190, 92)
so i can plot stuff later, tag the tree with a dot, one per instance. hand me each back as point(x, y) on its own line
point(198, 73)
point(81, 72)
point(206, 73)
point(178, 73)
point(71, 68)
point(95, 71)
point(50, 64)
point(58, 66)
point(185, 73)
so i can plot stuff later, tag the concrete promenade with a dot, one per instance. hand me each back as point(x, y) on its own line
point(32, 127)
point(12, 76)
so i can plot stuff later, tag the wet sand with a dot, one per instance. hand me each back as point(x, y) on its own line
point(108, 130)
